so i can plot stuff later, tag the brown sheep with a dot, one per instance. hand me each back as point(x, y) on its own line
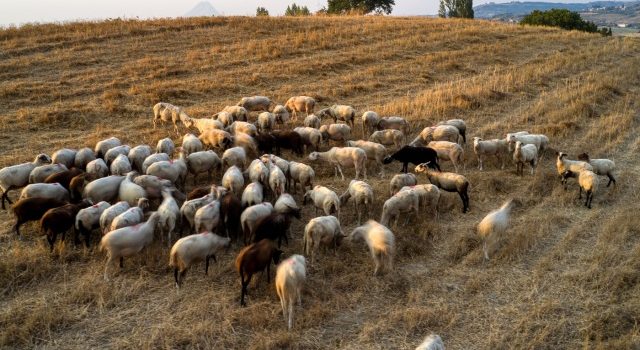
point(31, 209)
point(59, 220)
point(255, 258)
point(64, 178)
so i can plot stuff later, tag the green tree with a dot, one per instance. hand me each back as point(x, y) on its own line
point(456, 8)
point(564, 19)
point(261, 11)
point(361, 6)
point(295, 10)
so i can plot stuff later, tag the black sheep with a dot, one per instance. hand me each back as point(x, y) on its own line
point(414, 155)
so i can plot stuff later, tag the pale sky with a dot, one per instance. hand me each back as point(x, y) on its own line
point(24, 11)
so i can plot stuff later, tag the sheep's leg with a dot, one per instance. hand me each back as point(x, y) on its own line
point(122, 262)
point(484, 249)
point(580, 192)
point(290, 312)
point(176, 278)
point(16, 227)
point(106, 267)
point(244, 290)
point(376, 260)
point(206, 265)
point(5, 195)
point(342, 175)
point(51, 238)
point(611, 179)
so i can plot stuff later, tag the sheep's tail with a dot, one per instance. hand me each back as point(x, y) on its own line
point(305, 243)
point(173, 258)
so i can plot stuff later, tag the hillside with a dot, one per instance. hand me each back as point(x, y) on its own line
point(564, 277)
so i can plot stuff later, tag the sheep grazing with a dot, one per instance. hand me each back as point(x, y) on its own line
point(77, 185)
point(255, 103)
point(274, 226)
point(169, 215)
point(59, 220)
point(343, 157)
point(255, 258)
point(322, 230)
point(297, 104)
point(88, 219)
point(604, 167)
point(172, 170)
point(287, 205)
point(312, 121)
point(238, 127)
point(63, 178)
point(573, 166)
point(450, 182)
point(137, 155)
point(16, 176)
point(152, 185)
point(54, 191)
point(380, 240)
point(190, 207)
point(131, 216)
point(485, 148)
point(266, 122)
point(460, 125)
point(290, 140)
point(290, 277)
point(540, 141)
point(270, 159)
point(107, 216)
point(335, 132)
point(251, 216)
point(83, 157)
point(165, 112)
point(449, 151)
point(588, 183)
point(129, 191)
point(237, 112)
point(233, 180)
point(114, 152)
point(339, 112)
point(281, 114)
point(429, 196)
point(362, 195)
point(525, 154)
point(403, 202)
point(103, 189)
point(31, 209)
point(64, 156)
point(431, 342)
point(266, 142)
point(397, 123)
point(40, 173)
point(388, 137)
point(248, 143)
point(207, 218)
point(235, 156)
point(258, 172)
point(217, 139)
point(370, 120)
point(414, 155)
point(230, 211)
point(153, 158)
point(398, 181)
point(127, 241)
point(311, 138)
point(167, 146)
point(495, 224)
point(121, 165)
point(192, 249)
point(277, 181)
point(216, 191)
point(324, 199)
point(302, 174)
point(225, 118)
point(98, 168)
point(204, 124)
point(375, 152)
point(105, 145)
point(203, 162)
point(191, 144)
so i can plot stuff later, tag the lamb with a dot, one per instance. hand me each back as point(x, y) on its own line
point(16, 176)
point(253, 194)
point(103, 189)
point(203, 162)
point(281, 114)
point(59, 220)
point(248, 143)
point(311, 138)
point(114, 152)
point(225, 118)
point(312, 121)
point(83, 157)
point(192, 249)
point(460, 125)
point(132, 216)
point(207, 218)
point(335, 132)
point(255, 258)
point(449, 151)
point(31, 209)
point(230, 211)
point(98, 168)
point(64, 156)
point(323, 230)
point(237, 112)
point(105, 145)
point(204, 124)
point(169, 215)
point(525, 154)
point(302, 174)
point(339, 112)
point(495, 224)
point(484, 148)
point(603, 166)
point(154, 158)
point(190, 207)
point(242, 127)
point(370, 120)
point(277, 181)
point(429, 196)
point(137, 155)
point(217, 139)
point(235, 156)
point(127, 241)
point(343, 156)
point(450, 182)
point(64, 178)
point(588, 182)
point(431, 342)
point(40, 173)
point(290, 277)
point(233, 180)
point(191, 144)
point(362, 195)
point(107, 216)
point(40, 190)
point(88, 219)
point(380, 240)
point(165, 112)
point(121, 165)
point(414, 155)
point(167, 146)
point(323, 198)
point(401, 203)
point(251, 216)
point(540, 141)
point(397, 123)
point(388, 137)
point(398, 181)
point(439, 133)
point(298, 104)
point(255, 103)
point(289, 140)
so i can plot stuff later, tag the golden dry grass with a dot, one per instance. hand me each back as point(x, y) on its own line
point(564, 277)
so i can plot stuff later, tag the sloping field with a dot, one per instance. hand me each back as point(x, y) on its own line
point(563, 277)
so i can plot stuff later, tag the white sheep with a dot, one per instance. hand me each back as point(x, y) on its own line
point(312, 121)
point(312, 138)
point(603, 166)
point(525, 154)
point(290, 276)
point(258, 172)
point(166, 112)
point(269, 160)
point(286, 205)
point(103, 189)
point(429, 196)
point(588, 182)
point(388, 137)
point(192, 249)
point(154, 158)
point(127, 241)
point(323, 198)
point(339, 112)
point(343, 156)
point(335, 132)
point(449, 151)
point(323, 230)
point(203, 124)
point(137, 155)
point(83, 157)
point(166, 145)
point(242, 127)
point(237, 112)
point(105, 145)
point(203, 162)
point(64, 156)
point(172, 170)
point(281, 114)
point(495, 224)
point(485, 148)
point(169, 216)
point(41, 190)
point(234, 156)
point(121, 165)
point(403, 202)
point(362, 195)
point(277, 181)
point(132, 216)
point(217, 139)
point(440, 133)
point(298, 104)
point(380, 240)
point(248, 143)
point(250, 218)
point(107, 216)
point(225, 118)
point(114, 152)
point(540, 141)
point(460, 125)
point(255, 103)
point(398, 181)
point(207, 217)
point(397, 123)
point(98, 168)
point(375, 152)
point(152, 185)
point(573, 166)
point(191, 144)
point(370, 120)
point(189, 208)
point(129, 191)
point(431, 342)
point(253, 194)
point(16, 176)
point(450, 182)
point(265, 122)
point(233, 180)
point(88, 219)
point(42, 172)
point(302, 174)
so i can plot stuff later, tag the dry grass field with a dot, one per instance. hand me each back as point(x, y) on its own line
point(563, 276)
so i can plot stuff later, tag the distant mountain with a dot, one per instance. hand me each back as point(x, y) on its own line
point(203, 8)
point(604, 13)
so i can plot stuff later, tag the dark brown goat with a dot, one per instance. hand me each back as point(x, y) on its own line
point(230, 211)
point(59, 220)
point(31, 209)
point(255, 258)
point(288, 140)
point(64, 178)
point(274, 226)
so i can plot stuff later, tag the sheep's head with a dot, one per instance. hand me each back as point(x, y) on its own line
point(387, 160)
point(339, 238)
point(307, 197)
point(276, 255)
point(422, 168)
point(476, 140)
point(143, 203)
point(356, 234)
point(518, 145)
point(561, 155)
point(314, 156)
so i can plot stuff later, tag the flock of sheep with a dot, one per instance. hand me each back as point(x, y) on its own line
point(113, 187)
